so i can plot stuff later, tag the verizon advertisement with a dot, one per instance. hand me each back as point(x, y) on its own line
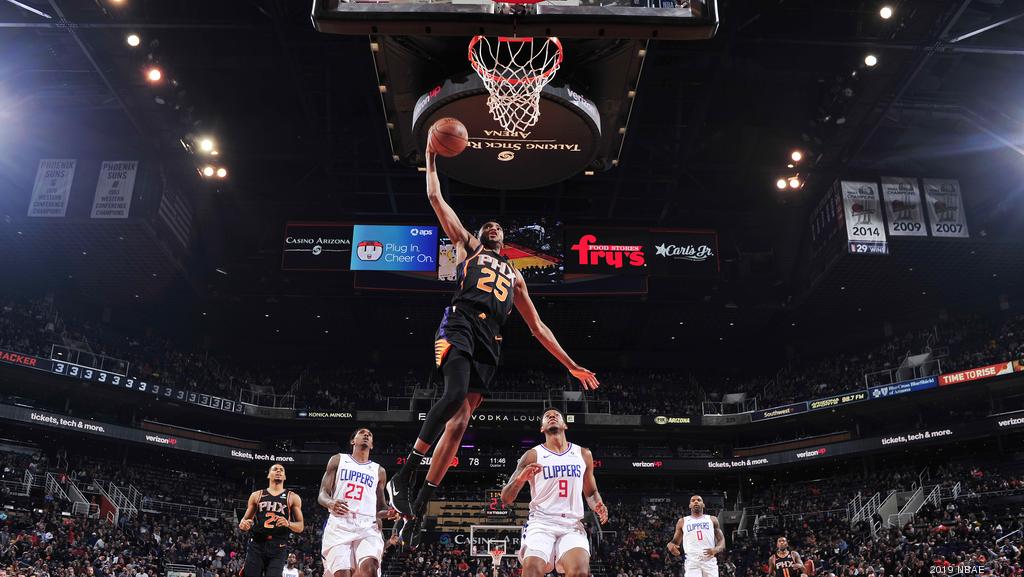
point(683, 253)
point(594, 250)
point(316, 246)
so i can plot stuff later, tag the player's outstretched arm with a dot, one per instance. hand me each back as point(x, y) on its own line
point(594, 499)
point(677, 539)
point(525, 471)
point(547, 338)
point(453, 227)
point(250, 510)
point(298, 525)
point(326, 498)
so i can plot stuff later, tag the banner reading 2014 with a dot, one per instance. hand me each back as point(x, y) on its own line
point(903, 207)
point(945, 207)
point(864, 228)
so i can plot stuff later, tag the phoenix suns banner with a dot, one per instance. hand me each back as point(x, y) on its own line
point(945, 207)
point(903, 207)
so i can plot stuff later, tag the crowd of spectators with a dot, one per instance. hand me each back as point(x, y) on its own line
point(33, 327)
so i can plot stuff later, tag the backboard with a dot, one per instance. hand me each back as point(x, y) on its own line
point(668, 19)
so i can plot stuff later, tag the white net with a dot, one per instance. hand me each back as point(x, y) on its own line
point(515, 71)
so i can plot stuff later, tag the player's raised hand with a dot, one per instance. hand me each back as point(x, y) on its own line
point(339, 507)
point(602, 512)
point(389, 514)
point(587, 377)
point(245, 525)
point(528, 473)
point(674, 549)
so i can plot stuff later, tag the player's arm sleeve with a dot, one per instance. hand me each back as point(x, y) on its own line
point(298, 524)
point(450, 222)
point(719, 535)
point(524, 304)
point(511, 489)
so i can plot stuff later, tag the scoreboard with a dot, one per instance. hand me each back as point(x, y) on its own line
point(494, 508)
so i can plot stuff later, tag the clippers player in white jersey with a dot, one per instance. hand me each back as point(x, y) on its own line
point(292, 569)
point(701, 537)
point(561, 475)
point(352, 490)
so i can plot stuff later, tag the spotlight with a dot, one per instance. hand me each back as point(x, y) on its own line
point(780, 184)
point(885, 12)
point(222, 172)
point(133, 40)
point(206, 144)
point(796, 155)
point(208, 171)
point(870, 60)
point(794, 182)
point(154, 74)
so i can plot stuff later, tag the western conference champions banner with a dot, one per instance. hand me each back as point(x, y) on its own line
point(903, 208)
point(864, 228)
point(114, 189)
point(945, 207)
point(52, 187)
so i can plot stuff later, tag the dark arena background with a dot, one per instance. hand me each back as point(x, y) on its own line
point(786, 235)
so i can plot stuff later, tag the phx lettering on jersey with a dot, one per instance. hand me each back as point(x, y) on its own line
point(499, 266)
point(357, 476)
point(555, 471)
point(273, 507)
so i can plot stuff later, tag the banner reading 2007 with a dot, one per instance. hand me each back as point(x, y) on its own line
point(864, 229)
point(945, 207)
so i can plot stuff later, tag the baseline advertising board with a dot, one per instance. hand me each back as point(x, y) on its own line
point(903, 388)
point(394, 248)
point(975, 374)
point(595, 250)
point(316, 246)
point(683, 253)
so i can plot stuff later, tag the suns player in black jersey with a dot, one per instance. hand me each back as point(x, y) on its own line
point(272, 514)
point(466, 350)
point(785, 563)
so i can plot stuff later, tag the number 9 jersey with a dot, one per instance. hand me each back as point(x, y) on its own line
point(481, 305)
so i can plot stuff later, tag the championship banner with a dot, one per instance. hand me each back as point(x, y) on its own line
point(114, 189)
point(316, 246)
point(945, 207)
point(682, 253)
point(865, 232)
point(52, 188)
point(596, 250)
point(975, 374)
point(903, 206)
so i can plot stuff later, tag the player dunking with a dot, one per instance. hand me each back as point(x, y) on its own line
point(272, 514)
point(466, 349)
point(702, 539)
point(561, 475)
point(785, 563)
point(352, 490)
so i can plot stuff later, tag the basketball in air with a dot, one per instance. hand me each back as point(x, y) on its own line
point(448, 137)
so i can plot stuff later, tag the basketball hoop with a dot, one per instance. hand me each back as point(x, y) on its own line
point(496, 555)
point(515, 71)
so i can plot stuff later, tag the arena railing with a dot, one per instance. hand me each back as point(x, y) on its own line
point(89, 359)
point(154, 506)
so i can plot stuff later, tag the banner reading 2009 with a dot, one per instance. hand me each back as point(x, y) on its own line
point(903, 207)
point(864, 228)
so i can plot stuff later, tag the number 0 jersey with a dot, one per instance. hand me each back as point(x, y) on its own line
point(556, 493)
point(481, 305)
point(698, 535)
